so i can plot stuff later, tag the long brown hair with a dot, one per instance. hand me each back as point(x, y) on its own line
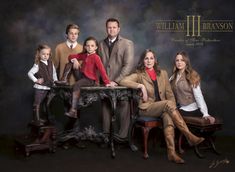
point(141, 66)
point(37, 55)
point(192, 76)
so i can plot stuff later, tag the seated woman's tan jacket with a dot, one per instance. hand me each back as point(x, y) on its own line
point(164, 87)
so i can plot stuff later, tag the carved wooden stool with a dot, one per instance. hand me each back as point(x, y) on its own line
point(146, 124)
point(40, 138)
point(201, 127)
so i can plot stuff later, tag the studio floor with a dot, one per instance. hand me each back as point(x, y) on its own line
point(94, 158)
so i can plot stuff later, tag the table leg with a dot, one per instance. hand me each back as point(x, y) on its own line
point(113, 101)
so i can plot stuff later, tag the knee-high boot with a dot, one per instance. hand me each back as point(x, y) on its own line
point(73, 110)
point(36, 115)
point(66, 74)
point(181, 125)
point(169, 138)
point(46, 136)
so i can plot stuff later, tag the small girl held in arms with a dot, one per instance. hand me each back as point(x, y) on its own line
point(91, 63)
point(43, 74)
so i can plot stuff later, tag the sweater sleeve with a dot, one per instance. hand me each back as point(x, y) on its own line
point(200, 100)
point(101, 69)
point(72, 56)
point(56, 59)
point(32, 71)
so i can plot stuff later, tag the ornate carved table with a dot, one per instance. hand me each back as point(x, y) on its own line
point(88, 96)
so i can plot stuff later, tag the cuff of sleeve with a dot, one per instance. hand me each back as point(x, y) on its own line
point(35, 80)
point(206, 115)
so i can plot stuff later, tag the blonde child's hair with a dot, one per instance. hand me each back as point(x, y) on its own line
point(41, 47)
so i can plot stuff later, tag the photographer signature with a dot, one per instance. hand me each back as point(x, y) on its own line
point(216, 163)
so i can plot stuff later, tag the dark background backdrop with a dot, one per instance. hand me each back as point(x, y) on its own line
point(26, 23)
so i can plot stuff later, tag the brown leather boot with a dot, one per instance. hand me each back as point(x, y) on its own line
point(73, 110)
point(181, 125)
point(46, 136)
point(169, 138)
point(72, 113)
point(66, 74)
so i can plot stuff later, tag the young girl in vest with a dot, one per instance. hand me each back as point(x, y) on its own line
point(43, 74)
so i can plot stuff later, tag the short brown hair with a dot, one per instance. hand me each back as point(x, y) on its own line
point(72, 26)
point(113, 20)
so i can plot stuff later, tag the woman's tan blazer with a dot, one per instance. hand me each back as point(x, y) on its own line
point(164, 87)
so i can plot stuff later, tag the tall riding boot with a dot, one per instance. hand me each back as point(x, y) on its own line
point(73, 110)
point(46, 136)
point(181, 125)
point(169, 138)
point(36, 115)
point(66, 74)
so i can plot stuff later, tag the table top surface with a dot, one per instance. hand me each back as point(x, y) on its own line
point(92, 88)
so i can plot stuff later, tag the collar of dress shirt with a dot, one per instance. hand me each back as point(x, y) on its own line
point(112, 40)
point(69, 44)
point(44, 61)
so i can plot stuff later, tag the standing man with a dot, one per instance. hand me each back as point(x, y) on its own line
point(63, 50)
point(117, 55)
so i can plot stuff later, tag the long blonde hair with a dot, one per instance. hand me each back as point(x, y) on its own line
point(191, 75)
point(37, 55)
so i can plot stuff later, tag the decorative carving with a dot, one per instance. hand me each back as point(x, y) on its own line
point(89, 95)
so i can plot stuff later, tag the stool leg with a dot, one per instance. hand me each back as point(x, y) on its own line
point(196, 150)
point(213, 146)
point(181, 151)
point(145, 135)
point(133, 147)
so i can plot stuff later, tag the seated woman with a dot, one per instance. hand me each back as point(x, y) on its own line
point(185, 83)
point(158, 101)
